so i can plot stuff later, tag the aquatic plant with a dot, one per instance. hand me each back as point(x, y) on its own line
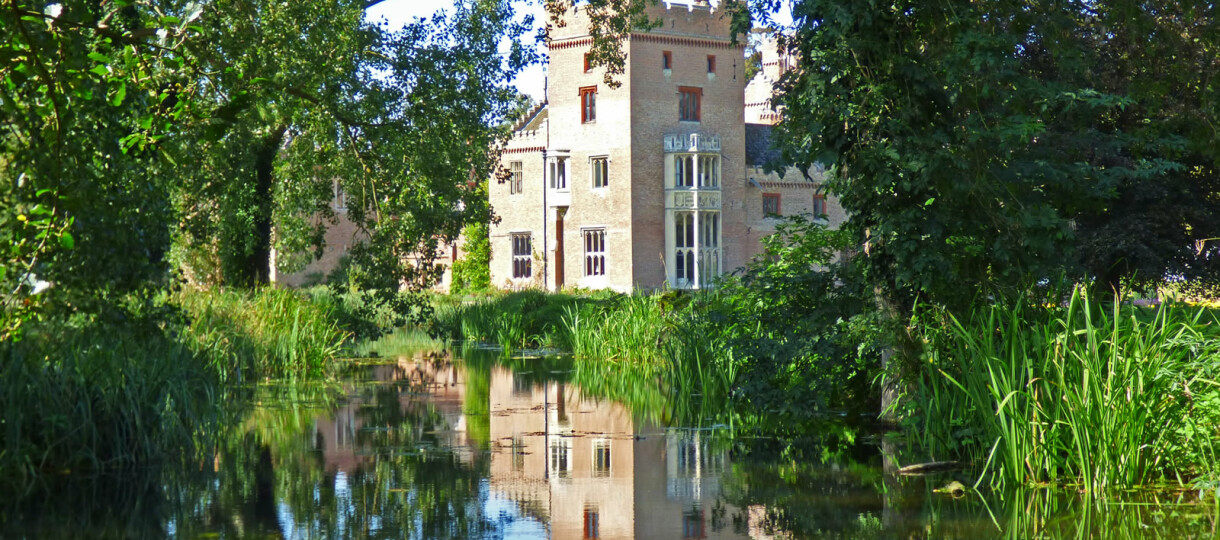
point(264, 333)
point(97, 397)
point(1100, 396)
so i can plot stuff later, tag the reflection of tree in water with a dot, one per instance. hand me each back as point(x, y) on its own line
point(273, 477)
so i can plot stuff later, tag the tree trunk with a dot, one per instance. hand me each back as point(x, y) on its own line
point(891, 374)
point(257, 267)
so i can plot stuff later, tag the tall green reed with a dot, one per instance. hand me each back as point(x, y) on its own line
point(264, 333)
point(1099, 396)
point(98, 398)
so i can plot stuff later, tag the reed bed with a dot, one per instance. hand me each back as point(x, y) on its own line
point(266, 333)
point(514, 321)
point(1099, 397)
point(96, 399)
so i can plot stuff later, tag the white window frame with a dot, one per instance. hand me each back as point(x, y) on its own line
point(605, 171)
point(516, 178)
point(598, 470)
point(340, 200)
point(594, 260)
point(560, 455)
point(527, 259)
point(557, 173)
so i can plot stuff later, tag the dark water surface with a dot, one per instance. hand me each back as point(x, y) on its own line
point(437, 445)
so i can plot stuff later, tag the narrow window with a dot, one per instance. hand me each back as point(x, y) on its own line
point(588, 63)
point(689, 103)
point(592, 524)
point(709, 171)
point(687, 178)
point(561, 457)
point(588, 104)
point(595, 252)
point(515, 182)
point(523, 255)
point(819, 206)
point(692, 525)
point(601, 459)
point(771, 204)
point(667, 60)
point(518, 449)
point(601, 172)
point(684, 245)
point(711, 64)
point(340, 203)
point(558, 173)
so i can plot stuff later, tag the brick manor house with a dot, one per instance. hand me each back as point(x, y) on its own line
point(659, 182)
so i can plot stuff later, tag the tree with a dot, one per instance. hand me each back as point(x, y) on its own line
point(87, 94)
point(994, 144)
point(403, 120)
point(224, 124)
point(991, 146)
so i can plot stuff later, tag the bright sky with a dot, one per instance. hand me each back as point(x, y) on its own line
point(399, 12)
point(531, 82)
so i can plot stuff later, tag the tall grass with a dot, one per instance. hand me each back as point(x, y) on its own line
point(97, 398)
point(1097, 396)
point(638, 348)
point(93, 393)
point(266, 333)
point(519, 320)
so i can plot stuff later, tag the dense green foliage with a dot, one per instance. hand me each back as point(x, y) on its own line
point(472, 272)
point(143, 138)
point(796, 324)
point(994, 144)
point(266, 333)
point(1103, 397)
point(94, 397)
point(97, 395)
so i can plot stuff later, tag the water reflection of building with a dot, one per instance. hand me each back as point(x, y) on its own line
point(578, 464)
point(337, 434)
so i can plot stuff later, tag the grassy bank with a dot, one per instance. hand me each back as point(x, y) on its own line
point(94, 393)
point(1087, 394)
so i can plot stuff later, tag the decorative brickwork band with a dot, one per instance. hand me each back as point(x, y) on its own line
point(650, 38)
point(789, 185)
point(525, 150)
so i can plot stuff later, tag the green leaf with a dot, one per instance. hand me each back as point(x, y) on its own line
point(99, 57)
point(929, 201)
point(66, 240)
point(101, 71)
point(120, 94)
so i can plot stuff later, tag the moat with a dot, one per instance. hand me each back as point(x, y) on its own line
point(444, 444)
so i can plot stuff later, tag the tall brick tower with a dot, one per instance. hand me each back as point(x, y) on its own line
point(641, 182)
